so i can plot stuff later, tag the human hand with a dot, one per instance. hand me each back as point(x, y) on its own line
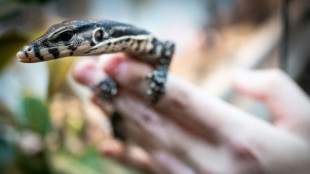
point(190, 132)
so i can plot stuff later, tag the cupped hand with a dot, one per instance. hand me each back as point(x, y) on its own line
point(188, 131)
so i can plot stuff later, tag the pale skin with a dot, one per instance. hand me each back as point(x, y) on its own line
point(188, 131)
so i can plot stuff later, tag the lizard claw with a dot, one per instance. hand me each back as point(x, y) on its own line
point(157, 85)
point(105, 89)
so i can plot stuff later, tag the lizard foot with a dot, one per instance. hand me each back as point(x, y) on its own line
point(105, 89)
point(157, 86)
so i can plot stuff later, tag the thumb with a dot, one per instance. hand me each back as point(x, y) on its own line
point(285, 100)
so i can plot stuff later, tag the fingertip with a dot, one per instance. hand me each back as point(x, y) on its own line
point(124, 69)
point(250, 82)
point(85, 71)
point(110, 62)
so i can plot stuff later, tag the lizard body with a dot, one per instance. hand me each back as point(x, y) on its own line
point(95, 37)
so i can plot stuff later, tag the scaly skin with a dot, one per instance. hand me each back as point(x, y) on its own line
point(95, 37)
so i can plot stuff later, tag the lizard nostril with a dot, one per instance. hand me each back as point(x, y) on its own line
point(28, 49)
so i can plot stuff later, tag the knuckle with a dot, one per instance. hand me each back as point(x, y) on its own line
point(177, 97)
point(243, 153)
point(242, 150)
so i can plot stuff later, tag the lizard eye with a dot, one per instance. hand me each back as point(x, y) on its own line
point(65, 36)
point(98, 35)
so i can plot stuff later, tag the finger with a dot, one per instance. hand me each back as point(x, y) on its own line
point(152, 129)
point(284, 98)
point(86, 72)
point(172, 164)
point(184, 103)
point(139, 159)
point(127, 72)
point(144, 126)
point(130, 155)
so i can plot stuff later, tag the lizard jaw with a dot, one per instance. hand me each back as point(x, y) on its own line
point(22, 57)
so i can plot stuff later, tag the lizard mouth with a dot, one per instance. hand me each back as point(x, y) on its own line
point(22, 57)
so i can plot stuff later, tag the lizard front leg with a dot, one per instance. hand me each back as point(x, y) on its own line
point(158, 77)
point(106, 89)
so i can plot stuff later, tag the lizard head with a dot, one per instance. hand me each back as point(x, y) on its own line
point(78, 38)
point(60, 40)
point(67, 39)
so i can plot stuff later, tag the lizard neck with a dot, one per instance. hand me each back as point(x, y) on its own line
point(134, 45)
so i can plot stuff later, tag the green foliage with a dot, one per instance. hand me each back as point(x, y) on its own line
point(6, 153)
point(35, 120)
point(36, 115)
point(62, 159)
point(36, 164)
point(5, 150)
point(89, 161)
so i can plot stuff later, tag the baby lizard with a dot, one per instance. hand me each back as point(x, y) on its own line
point(95, 37)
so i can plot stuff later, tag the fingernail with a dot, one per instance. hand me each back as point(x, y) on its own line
point(89, 75)
point(84, 74)
point(114, 66)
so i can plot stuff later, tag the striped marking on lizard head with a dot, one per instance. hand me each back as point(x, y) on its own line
point(78, 38)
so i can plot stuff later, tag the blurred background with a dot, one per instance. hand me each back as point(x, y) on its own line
point(47, 123)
